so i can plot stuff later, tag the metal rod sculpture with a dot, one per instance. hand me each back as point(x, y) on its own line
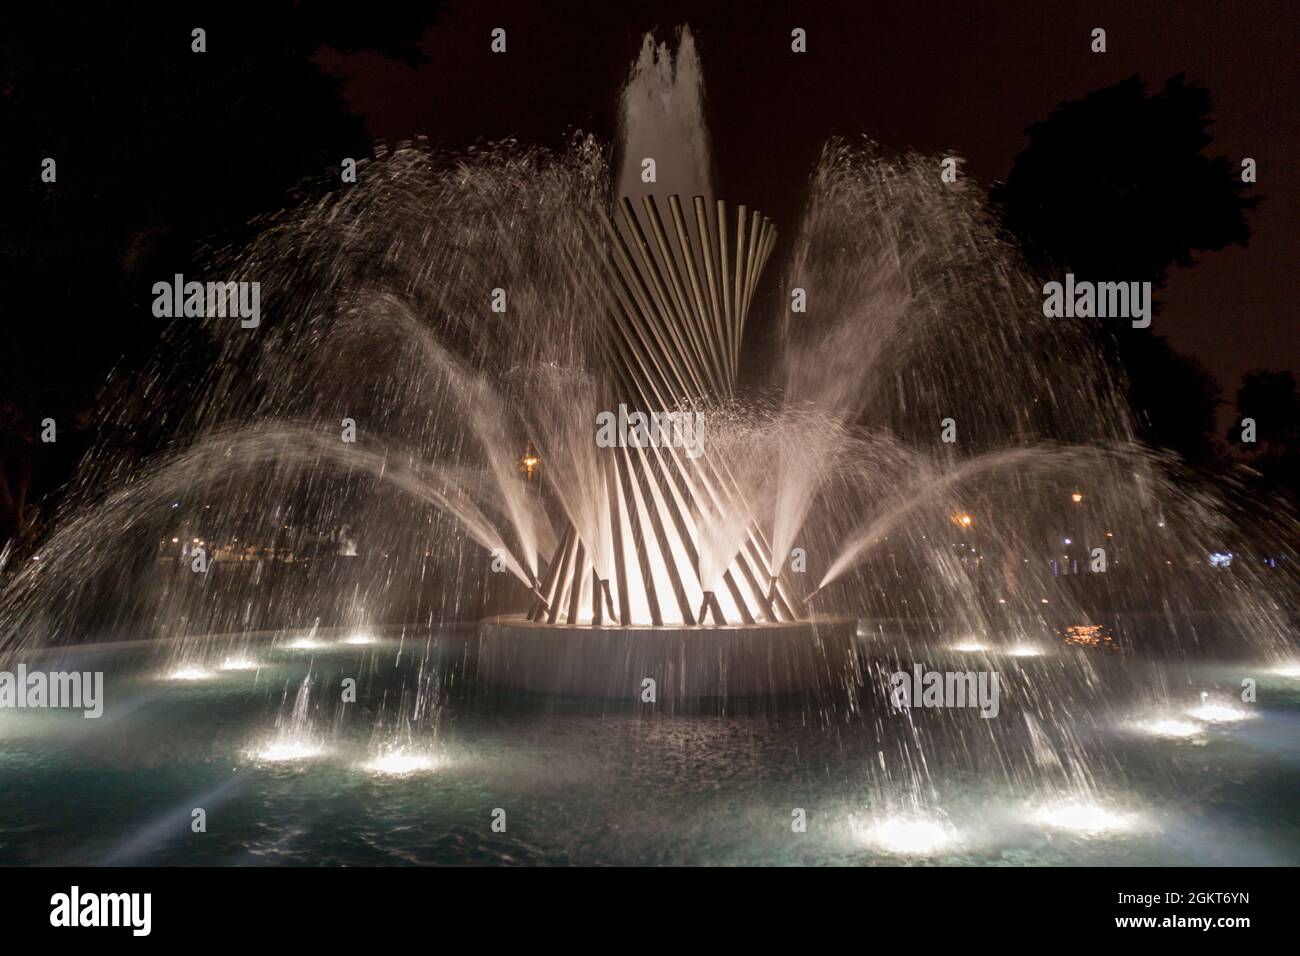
point(678, 299)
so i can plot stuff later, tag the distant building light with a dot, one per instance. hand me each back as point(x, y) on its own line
point(1076, 497)
point(529, 462)
point(1220, 559)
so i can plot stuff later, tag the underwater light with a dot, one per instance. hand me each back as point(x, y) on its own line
point(1026, 650)
point(239, 664)
point(1081, 816)
point(305, 644)
point(399, 763)
point(1288, 670)
point(288, 749)
point(1169, 727)
point(191, 673)
point(910, 835)
point(1218, 712)
point(359, 638)
point(970, 647)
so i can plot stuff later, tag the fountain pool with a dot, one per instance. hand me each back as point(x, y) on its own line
point(591, 782)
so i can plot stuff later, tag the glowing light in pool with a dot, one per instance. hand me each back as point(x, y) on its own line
point(1218, 712)
point(970, 647)
point(399, 763)
point(191, 673)
point(909, 835)
point(305, 644)
point(1083, 816)
point(359, 638)
point(1025, 650)
point(286, 749)
point(1288, 670)
point(1169, 727)
point(239, 664)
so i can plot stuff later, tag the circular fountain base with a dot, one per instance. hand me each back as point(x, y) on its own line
point(685, 663)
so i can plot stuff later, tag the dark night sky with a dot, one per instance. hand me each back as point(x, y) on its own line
point(938, 77)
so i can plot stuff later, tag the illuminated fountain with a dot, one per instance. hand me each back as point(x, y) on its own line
point(892, 445)
point(446, 313)
point(295, 737)
point(401, 479)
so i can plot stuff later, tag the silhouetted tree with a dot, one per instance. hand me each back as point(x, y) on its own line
point(1175, 398)
point(157, 148)
point(1271, 400)
point(1117, 187)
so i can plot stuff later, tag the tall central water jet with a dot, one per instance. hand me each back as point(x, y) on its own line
point(661, 117)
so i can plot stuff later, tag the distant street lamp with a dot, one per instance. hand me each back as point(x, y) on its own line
point(529, 462)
